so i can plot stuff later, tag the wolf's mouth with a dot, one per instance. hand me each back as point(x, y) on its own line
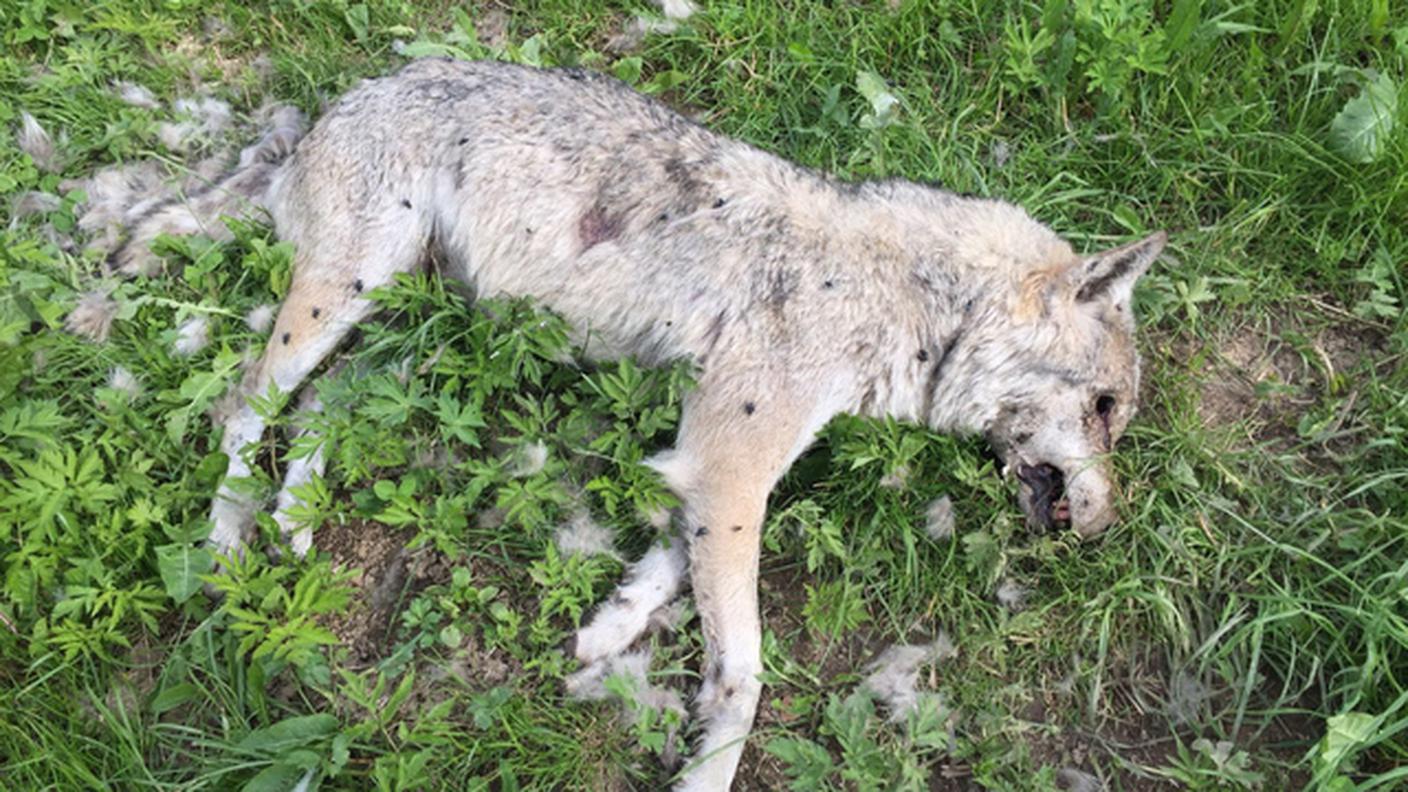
point(1046, 486)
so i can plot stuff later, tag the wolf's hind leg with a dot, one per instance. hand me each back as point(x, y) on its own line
point(326, 300)
point(651, 583)
point(300, 472)
point(311, 323)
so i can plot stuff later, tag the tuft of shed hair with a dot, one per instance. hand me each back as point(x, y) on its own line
point(33, 202)
point(203, 119)
point(124, 382)
point(528, 460)
point(135, 95)
point(1011, 595)
point(667, 617)
point(35, 141)
point(286, 125)
point(897, 478)
point(192, 336)
point(677, 9)
point(938, 519)
point(117, 196)
point(1073, 780)
point(582, 535)
point(261, 318)
point(93, 316)
point(632, 35)
point(893, 676)
point(632, 668)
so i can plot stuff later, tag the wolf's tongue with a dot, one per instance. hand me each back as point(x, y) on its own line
point(1061, 510)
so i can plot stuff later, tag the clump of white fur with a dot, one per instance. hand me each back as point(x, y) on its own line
point(528, 460)
point(1011, 595)
point(136, 95)
point(34, 140)
point(894, 675)
point(116, 196)
point(1186, 697)
point(124, 382)
point(677, 9)
point(192, 336)
point(633, 33)
point(657, 517)
point(667, 617)
point(226, 407)
point(590, 684)
point(897, 478)
point(938, 519)
point(175, 135)
point(92, 317)
point(205, 173)
point(582, 535)
point(1073, 780)
point(260, 319)
point(203, 119)
point(33, 202)
point(285, 127)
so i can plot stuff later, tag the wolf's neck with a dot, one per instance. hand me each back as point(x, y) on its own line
point(958, 386)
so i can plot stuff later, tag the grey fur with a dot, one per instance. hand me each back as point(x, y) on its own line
point(203, 118)
point(92, 316)
point(136, 95)
point(796, 295)
point(35, 141)
point(241, 194)
point(33, 202)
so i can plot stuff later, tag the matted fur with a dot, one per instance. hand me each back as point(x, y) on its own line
point(797, 296)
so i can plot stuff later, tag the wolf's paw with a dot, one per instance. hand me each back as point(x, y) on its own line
point(233, 516)
point(616, 625)
point(648, 589)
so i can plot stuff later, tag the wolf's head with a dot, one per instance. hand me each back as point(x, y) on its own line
point(1051, 376)
point(1075, 392)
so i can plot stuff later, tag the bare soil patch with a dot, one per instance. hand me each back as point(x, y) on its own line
point(1267, 373)
point(387, 575)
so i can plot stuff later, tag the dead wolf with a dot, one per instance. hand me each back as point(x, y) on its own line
point(797, 296)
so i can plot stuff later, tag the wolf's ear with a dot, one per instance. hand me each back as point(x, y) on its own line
point(1110, 275)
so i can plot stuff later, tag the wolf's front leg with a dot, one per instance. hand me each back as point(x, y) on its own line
point(724, 568)
point(736, 438)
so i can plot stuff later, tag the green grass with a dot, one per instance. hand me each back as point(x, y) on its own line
point(1253, 594)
